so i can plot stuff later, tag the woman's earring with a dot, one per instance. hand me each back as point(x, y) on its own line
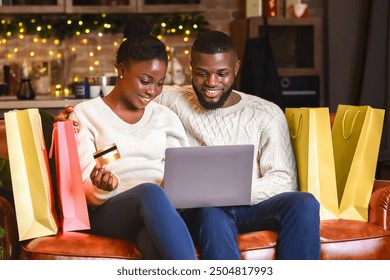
point(120, 77)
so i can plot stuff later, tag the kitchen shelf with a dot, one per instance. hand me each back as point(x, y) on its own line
point(49, 103)
point(102, 6)
point(19, 7)
point(149, 6)
point(296, 45)
point(93, 7)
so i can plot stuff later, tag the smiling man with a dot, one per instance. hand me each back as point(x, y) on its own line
point(215, 114)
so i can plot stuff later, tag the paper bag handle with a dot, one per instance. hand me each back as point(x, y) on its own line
point(55, 128)
point(53, 134)
point(352, 125)
point(298, 131)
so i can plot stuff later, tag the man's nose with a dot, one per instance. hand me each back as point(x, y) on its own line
point(212, 80)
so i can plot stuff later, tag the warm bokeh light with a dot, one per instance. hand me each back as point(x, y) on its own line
point(90, 37)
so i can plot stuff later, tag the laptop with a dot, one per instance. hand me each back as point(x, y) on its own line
point(209, 175)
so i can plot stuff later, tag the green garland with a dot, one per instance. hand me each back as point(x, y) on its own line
point(67, 26)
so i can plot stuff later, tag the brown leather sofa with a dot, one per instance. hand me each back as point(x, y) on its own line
point(340, 239)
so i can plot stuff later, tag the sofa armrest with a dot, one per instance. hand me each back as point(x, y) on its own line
point(8, 222)
point(3, 140)
point(379, 212)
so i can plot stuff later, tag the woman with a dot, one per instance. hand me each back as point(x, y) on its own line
point(124, 196)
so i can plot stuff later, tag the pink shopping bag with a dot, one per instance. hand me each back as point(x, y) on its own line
point(71, 193)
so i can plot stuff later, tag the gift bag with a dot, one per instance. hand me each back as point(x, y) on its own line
point(356, 135)
point(73, 205)
point(30, 175)
point(312, 143)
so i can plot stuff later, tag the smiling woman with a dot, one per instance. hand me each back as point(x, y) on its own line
point(141, 131)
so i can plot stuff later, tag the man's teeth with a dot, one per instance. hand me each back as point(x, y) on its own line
point(211, 93)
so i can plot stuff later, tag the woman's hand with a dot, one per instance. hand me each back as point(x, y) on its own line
point(103, 179)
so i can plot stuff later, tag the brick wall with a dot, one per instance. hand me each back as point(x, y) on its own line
point(85, 60)
point(221, 12)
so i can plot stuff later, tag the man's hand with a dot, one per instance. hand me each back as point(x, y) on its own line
point(64, 115)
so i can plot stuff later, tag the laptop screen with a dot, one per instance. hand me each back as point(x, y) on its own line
point(209, 175)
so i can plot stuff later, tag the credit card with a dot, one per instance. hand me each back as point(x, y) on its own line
point(106, 155)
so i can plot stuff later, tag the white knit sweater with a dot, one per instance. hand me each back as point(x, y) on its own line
point(252, 121)
point(142, 145)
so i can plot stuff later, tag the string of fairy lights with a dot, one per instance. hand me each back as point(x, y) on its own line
point(61, 27)
point(38, 30)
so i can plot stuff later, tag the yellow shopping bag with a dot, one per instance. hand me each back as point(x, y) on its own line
point(312, 143)
point(356, 135)
point(31, 180)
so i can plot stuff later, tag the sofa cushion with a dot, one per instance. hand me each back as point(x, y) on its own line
point(347, 230)
point(258, 245)
point(340, 239)
point(78, 245)
point(351, 239)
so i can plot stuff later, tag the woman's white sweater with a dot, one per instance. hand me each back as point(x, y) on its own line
point(141, 145)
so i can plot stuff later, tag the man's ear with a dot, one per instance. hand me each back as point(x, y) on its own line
point(191, 68)
point(237, 67)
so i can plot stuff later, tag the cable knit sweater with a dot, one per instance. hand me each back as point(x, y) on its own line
point(251, 121)
point(141, 145)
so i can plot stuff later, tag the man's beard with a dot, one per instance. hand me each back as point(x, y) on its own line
point(213, 105)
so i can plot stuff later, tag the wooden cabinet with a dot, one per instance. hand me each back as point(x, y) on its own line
point(31, 6)
point(101, 6)
point(296, 44)
point(170, 6)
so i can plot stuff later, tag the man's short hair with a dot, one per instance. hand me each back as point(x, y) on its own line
point(212, 42)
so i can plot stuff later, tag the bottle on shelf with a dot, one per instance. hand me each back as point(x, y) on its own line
point(25, 91)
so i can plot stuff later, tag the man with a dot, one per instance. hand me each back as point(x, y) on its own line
point(215, 114)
